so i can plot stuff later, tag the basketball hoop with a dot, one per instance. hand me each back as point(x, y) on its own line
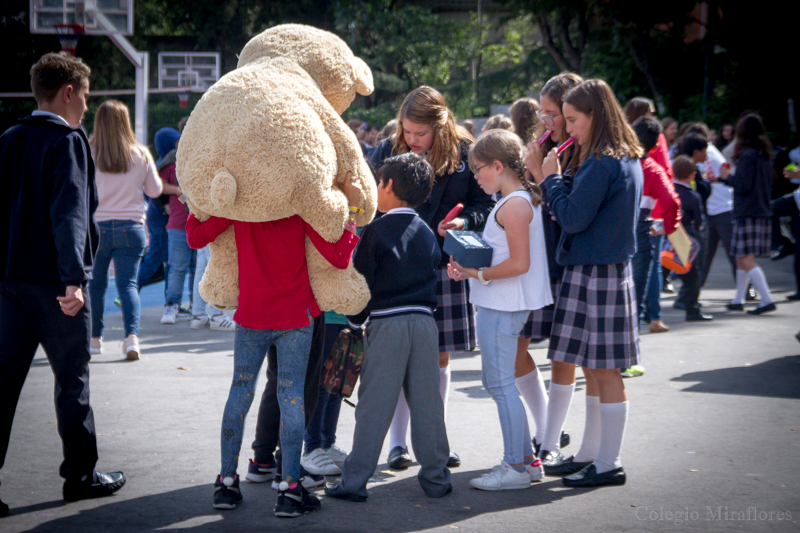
point(183, 96)
point(68, 35)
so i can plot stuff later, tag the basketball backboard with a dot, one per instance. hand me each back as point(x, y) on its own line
point(100, 17)
point(198, 70)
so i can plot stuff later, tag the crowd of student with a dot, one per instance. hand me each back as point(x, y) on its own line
point(573, 193)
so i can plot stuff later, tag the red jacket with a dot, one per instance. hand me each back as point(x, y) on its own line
point(660, 153)
point(659, 194)
point(274, 289)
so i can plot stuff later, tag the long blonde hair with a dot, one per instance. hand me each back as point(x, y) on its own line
point(426, 105)
point(113, 142)
point(505, 147)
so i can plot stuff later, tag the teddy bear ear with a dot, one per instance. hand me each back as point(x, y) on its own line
point(362, 75)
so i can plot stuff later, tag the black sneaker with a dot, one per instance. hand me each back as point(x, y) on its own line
point(227, 493)
point(307, 479)
point(258, 473)
point(295, 502)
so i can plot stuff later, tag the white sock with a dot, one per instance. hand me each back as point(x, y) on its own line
point(759, 281)
point(399, 427)
point(613, 418)
point(557, 410)
point(741, 287)
point(591, 431)
point(444, 386)
point(531, 387)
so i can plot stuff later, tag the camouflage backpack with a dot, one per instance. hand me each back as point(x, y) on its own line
point(343, 364)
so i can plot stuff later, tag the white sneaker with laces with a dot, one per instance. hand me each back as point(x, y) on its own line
point(170, 314)
point(502, 477)
point(130, 347)
point(222, 323)
point(336, 454)
point(200, 322)
point(96, 345)
point(318, 462)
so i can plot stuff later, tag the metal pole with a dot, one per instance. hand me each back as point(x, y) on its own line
point(140, 127)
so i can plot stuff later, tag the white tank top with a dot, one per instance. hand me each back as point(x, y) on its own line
point(529, 291)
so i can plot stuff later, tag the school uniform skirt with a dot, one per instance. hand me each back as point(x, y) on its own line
point(455, 316)
point(594, 322)
point(540, 322)
point(751, 236)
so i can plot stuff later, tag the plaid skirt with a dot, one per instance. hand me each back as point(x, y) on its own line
point(540, 321)
point(455, 316)
point(751, 236)
point(594, 322)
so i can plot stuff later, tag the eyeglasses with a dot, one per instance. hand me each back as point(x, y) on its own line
point(547, 120)
point(478, 169)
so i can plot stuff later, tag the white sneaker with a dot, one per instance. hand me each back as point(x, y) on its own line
point(535, 470)
point(200, 322)
point(170, 314)
point(130, 347)
point(502, 477)
point(96, 345)
point(222, 323)
point(318, 462)
point(336, 454)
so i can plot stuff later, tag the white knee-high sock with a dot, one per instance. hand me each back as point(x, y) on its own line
point(444, 386)
point(557, 410)
point(399, 427)
point(613, 419)
point(759, 281)
point(591, 431)
point(741, 287)
point(531, 387)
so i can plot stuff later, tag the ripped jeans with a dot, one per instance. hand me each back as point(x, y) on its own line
point(249, 349)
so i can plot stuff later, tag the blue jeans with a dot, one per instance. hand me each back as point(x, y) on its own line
point(642, 269)
point(321, 429)
point(199, 306)
point(180, 262)
point(249, 349)
point(497, 336)
point(156, 255)
point(123, 241)
point(653, 296)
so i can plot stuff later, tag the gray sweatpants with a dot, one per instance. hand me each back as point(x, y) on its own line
point(401, 354)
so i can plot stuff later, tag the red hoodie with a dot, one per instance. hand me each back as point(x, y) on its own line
point(659, 194)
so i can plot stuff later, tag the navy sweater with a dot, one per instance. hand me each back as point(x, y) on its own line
point(598, 215)
point(47, 227)
point(691, 208)
point(752, 186)
point(398, 255)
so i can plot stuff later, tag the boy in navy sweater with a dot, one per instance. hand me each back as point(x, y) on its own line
point(398, 255)
point(683, 168)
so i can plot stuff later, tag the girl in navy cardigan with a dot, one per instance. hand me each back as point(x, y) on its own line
point(595, 324)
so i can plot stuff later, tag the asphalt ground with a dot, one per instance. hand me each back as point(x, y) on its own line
point(712, 442)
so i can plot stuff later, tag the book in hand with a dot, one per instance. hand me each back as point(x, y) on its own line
point(468, 249)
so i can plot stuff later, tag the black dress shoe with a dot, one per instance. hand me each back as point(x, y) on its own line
point(735, 307)
point(699, 317)
point(793, 297)
point(783, 252)
point(551, 460)
point(564, 442)
point(679, 305)
point(763, 309)
point(335, 491)
point(454, 460)
point(399, 458)
point(588, 477)
point(102, 485)
point(568, 466)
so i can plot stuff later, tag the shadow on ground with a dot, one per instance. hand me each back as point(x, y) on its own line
point(776, 378)
point(394, 507)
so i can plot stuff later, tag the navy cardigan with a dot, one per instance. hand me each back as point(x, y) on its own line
point(598, 215)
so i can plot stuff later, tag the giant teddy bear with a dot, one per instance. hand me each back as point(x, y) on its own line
point(267, 141)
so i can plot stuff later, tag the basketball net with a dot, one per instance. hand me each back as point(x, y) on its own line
point(68, 35)
point(183, 97)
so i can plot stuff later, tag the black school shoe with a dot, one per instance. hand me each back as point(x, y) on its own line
point(588, 477)
point(763, 309)
point(564, 442)
point(101, 484)
point(227, 495)
point(453, 460)
point(566, 467)
point(698, 317)
point(399, 458)
point(336, 491)
point(295, 502)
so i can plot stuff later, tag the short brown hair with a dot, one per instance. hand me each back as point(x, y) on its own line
point(683, 167)
point(498, 122)
point(610, 133)
point(426, 105)
point(53, 71)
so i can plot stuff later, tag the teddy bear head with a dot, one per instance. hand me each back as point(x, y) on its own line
point(327, 58)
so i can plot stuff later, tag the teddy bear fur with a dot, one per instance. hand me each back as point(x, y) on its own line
point(266, 141)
